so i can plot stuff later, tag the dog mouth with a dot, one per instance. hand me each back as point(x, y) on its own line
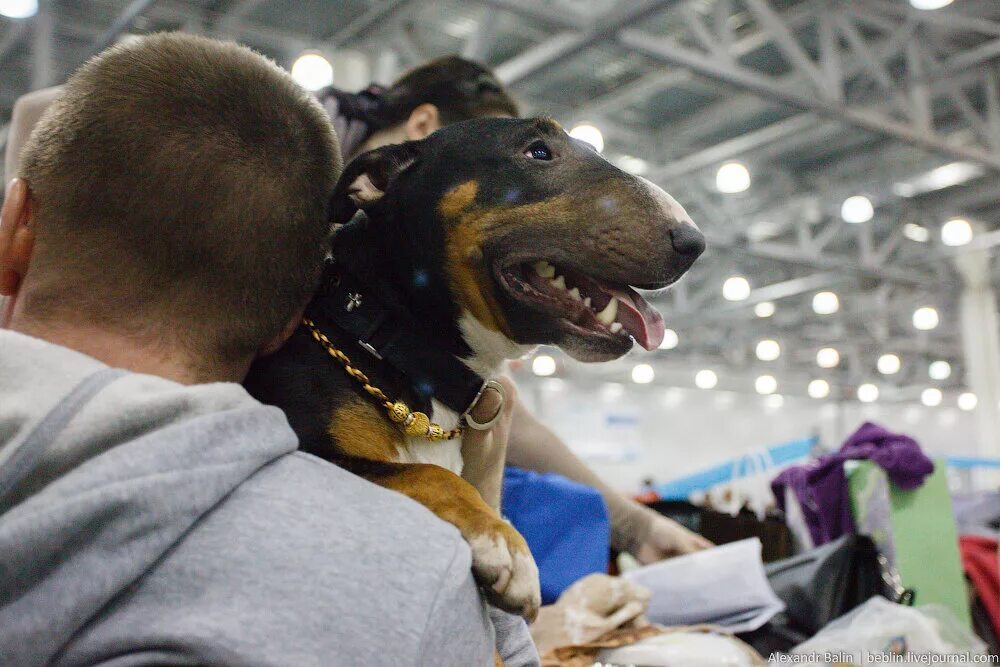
point(585, 305)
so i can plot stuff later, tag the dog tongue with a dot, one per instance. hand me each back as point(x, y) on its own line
point(639, 318)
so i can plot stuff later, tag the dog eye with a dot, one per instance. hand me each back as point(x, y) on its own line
point(538, 151)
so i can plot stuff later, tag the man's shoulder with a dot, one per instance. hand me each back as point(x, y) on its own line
point(304, 558)
point(303, 479)
point(305, 499)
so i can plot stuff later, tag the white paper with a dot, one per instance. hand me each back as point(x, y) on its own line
point(724, 586)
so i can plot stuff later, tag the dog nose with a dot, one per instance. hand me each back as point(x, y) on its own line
point(687, 240)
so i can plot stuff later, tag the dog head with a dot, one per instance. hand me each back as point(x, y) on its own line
point(516, 234)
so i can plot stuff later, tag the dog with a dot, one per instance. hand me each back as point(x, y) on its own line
point(452, 255)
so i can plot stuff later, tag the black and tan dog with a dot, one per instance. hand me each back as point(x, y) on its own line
point(456, 253)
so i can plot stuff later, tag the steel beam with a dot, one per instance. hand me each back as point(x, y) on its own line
point(566, 44)
point(539, 13)
point(365, 23)
point(41, 46)
point(761, 85)
point(11, 38)
point(123, 22)
point(732, 147)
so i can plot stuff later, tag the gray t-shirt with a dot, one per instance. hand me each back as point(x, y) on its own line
point(154, 523)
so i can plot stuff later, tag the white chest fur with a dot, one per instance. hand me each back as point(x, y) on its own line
point(447, 453)
point(490, 350)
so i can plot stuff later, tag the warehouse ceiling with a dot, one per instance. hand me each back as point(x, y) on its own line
point(820, 101)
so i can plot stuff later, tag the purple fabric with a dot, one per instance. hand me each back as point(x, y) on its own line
point(820, 486)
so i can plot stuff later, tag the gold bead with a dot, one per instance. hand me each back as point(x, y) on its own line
point(418, 425)
point(399, 411)
point(435, 432)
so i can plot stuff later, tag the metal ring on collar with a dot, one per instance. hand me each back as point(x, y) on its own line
point(487, 425)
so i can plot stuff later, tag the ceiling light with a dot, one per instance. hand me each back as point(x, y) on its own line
point(312, 71)
point(917, 233)
point(633, 165)
point(736, 288)
point(931, 397)
point(867, 393)
point(766, 384)
point(774, 401)
point(732, 177)
point(930, 4)
point(764, 309)
point(945, 176)
point(857, 209)
point(670, 340)
point(888, 364)
point(825, 303)
point(925, 318)
point(543, 365)
point(956, 232)
point(939, 370)
point(819, 389)
point(827, 358)
point(967, 401)
point(18, 9)
point(589, 134)
point(768, 350)
point(642, 374)
point(706, 379)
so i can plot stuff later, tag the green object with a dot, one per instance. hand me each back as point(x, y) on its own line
point(915, 530)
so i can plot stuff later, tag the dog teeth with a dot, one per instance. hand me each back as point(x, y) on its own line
point(607, 316)
point(586, 302)
point(545, 270)
point(615, 327)
point(575, 293)
point(559, 282)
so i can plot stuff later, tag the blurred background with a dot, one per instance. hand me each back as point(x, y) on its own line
point(841, 158)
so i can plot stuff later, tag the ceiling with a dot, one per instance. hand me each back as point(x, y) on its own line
point(820, 100)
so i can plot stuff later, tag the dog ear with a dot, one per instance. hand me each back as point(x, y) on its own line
point(368, 177)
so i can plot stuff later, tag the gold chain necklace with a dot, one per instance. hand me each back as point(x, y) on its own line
point(415, 424)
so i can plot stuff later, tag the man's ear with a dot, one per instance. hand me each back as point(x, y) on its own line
point(273, 345)
point(423, 120)
point(368, 177)
point(17, 236)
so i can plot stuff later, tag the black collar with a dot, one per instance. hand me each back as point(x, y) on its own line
point(396, 338)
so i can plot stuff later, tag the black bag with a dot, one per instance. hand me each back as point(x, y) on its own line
point(821, 585)
point(826, 583)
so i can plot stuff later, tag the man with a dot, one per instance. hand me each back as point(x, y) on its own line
point(169, 227)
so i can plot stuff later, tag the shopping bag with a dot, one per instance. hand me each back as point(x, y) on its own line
point(880, 631)
point(915, 531)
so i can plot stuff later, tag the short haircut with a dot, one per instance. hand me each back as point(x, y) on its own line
point(180, 188)
point(461, 90)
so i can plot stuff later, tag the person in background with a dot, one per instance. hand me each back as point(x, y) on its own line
point(448, 90)
point(151, 511)
point(647, 492)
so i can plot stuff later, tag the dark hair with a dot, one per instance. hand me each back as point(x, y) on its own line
point(459, 88)
point(180, 186)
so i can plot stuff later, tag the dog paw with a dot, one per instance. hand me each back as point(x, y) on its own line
point(504, 566)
